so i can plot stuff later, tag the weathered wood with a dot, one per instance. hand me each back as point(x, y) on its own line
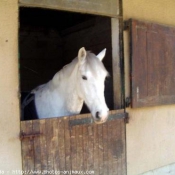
point(101, 7)
point(61, 144)
point(95, 150)
point(116, 64)
point(56, 156)
point(87, 120)
point(117, 147)
point(27, 146)
point(90, 140)
point(123, 136)
point(49, 143)
point(79, 140)
point(37, 146)
point(83, 147)
point(73, 146)
point(100, 148)
point(67, 144)
point(105, 148)
point(43, 145)
point(152, 64)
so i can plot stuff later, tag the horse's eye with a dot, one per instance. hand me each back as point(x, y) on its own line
point(84, 77)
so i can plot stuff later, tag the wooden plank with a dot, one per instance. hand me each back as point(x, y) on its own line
point(37, 146)
point(141, 65)
point(86, 120)
point(27, 146)
point(79, 140)
point(56, 156)
point(85, 147)
point(117, 147)
point(116, 64)
point(49, 143)
point(61, 144)
point(96, 150)
point(101, 7)
point(100, 148)
point(105, 149)
point(67, 144)
point(90, 160)
point(110, 156)
point(123, 136)
point(43, 145)
point(73, 146)
point(24, 146)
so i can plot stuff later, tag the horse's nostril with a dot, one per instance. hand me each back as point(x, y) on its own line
point(97, 115)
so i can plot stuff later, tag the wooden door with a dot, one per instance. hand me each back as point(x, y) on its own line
point(72, 145)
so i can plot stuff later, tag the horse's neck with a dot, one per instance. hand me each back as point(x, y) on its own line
point(66, 81)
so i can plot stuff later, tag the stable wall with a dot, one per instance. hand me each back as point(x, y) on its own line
point(150, 132)
point(10, 149)
point(150, 140)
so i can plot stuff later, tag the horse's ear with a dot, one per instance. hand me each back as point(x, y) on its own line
point(102, 54)
point(81, 55)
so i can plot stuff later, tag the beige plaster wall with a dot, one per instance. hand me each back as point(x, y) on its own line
point(150, 132)
point(150, 139)
point(10, 149)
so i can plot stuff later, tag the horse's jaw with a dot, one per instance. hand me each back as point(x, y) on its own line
point(74, 103)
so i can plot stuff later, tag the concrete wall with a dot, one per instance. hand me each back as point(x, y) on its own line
point(10, 148)
point(165, 170)
point(150, 139)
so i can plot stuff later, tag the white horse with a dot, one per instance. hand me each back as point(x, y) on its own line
point(80, 81)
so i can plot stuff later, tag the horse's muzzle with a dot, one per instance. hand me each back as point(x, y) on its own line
point(100, 118)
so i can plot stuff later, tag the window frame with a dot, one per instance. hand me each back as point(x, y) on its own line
point(117, 50)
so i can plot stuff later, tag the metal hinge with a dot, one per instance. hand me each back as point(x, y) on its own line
point(126, 25)
point(126, 119)
point(128, 101)
point(29, 136)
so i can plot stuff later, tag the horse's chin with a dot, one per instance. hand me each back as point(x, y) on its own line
point(100, 121)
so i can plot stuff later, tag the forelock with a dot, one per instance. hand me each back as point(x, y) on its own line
point(94, 64)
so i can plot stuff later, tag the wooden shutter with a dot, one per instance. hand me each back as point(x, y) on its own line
point(152, 64)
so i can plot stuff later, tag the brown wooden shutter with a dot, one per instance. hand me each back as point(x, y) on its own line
point(152, 64)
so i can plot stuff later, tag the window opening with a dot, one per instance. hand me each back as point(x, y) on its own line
point(50, 39)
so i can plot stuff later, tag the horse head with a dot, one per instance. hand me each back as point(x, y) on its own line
point(91, 75)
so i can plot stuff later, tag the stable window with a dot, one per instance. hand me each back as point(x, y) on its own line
point(152, 64)
point(50, 39)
